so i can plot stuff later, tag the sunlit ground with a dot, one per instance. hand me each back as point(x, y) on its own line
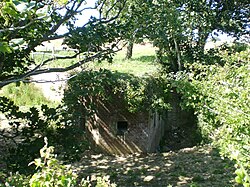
point(198, 166)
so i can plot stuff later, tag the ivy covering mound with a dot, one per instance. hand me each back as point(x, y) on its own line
point(138, 94)
point(220, 96)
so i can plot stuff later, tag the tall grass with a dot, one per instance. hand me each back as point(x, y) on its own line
point(25, 94)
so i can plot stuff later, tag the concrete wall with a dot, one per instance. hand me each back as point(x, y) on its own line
point(180, 126)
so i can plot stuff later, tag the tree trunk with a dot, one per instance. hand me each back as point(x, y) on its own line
point(129, 50)
point(158, 53)
point(178, 55)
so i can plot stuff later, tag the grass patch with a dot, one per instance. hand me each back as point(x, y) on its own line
point(25, 94)
point(143, 62)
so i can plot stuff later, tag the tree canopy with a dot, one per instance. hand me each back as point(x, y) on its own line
point(179, 28)
point(26, 24)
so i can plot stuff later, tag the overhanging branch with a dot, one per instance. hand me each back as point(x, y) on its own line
point(37, 70)
point(71, 11)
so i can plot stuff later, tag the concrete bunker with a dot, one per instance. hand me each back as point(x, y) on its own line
point(114, 129)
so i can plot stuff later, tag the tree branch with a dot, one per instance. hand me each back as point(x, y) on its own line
point(101, 9)
point(113, 5)
point(69, 14)
point(17, 28)
point(178, 55)
point(47, 36)
point(105, 20)
point(37, 70)
point(50, 35)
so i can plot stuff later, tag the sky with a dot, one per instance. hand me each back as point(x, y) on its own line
point(82, 19)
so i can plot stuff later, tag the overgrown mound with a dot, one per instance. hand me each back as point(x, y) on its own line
point(137, 94)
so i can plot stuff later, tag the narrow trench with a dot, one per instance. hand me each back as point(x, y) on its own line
point(181, 129)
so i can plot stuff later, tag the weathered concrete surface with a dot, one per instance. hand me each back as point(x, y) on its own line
point(146, 131)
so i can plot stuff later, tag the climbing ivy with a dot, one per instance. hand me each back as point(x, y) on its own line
point(137, 94)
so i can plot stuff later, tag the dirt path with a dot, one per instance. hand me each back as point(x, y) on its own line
point(194, 167)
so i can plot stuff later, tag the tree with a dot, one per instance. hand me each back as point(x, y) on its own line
point(200, 20)
point(25, 24)
point(133, 23)
point(181, 28)
point(136, 17)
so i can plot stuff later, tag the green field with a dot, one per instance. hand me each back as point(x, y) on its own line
point(142, 62)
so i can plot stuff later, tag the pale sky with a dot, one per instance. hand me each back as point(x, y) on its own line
point(82, 19)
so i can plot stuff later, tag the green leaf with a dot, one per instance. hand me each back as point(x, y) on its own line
point(238, 179)
point(240, 173)
point(4, 47)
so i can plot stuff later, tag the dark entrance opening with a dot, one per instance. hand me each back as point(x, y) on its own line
point(122, 127)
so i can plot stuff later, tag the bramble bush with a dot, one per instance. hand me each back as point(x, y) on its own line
point(220, 97)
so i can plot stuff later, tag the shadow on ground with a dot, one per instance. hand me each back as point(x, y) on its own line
point(197, 166)
point(147, 58)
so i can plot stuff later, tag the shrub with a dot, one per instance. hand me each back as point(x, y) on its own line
point(30, 127)
point(137, 94)
point(220, 97)
point(50, 172)
point(14, 180)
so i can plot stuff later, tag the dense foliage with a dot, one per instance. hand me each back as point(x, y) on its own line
point(137, 94)
point(181, 28)
point(24, 136)
point(51, 172)
point(220, 98)
point(25, 24)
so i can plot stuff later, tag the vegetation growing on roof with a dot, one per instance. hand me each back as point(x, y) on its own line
point(137, 93)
